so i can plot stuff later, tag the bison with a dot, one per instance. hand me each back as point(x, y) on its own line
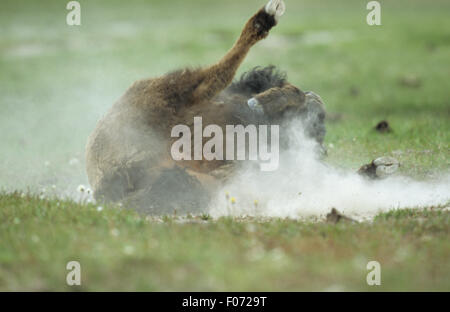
point(128, 155)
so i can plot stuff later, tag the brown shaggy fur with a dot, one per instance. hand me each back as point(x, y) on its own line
point(128, 154)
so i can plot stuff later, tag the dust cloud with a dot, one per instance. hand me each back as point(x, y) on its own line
point(305, 186)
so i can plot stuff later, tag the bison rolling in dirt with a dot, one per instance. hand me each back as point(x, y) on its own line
point(128, 154)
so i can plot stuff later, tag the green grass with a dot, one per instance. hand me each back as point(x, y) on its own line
point(56, 81)
point(120, 250)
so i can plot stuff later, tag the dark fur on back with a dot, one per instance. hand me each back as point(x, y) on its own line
point(258, 80)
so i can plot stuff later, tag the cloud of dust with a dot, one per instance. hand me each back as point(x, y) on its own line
point(304, 186)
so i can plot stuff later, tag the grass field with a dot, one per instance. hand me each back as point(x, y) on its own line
point(56, 81)
point(120, 250)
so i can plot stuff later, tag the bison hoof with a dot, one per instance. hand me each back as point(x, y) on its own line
point(275, 8)
point(381, 167)
point(386, 166)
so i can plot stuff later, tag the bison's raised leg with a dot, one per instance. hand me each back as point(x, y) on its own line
point(218, 76)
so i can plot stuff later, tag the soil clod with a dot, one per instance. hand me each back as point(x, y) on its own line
point(383, 127)
point(335, 216)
